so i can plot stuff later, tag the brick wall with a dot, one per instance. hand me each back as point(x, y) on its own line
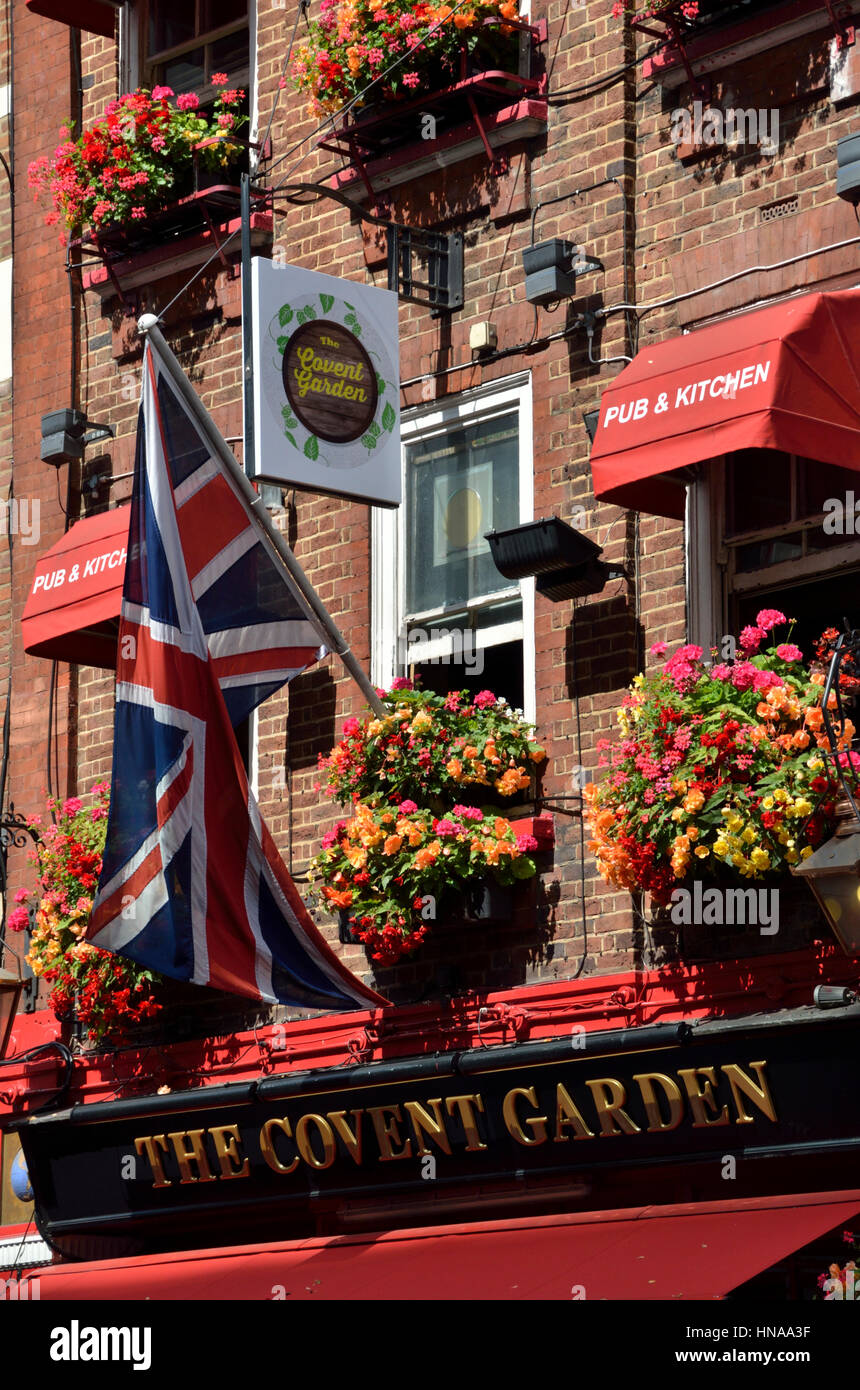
point(689, 221)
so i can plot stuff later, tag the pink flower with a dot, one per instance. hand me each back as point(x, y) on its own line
point(350, 727)
point(526, 842)
point(71, 806)
point(188, 101)
point(219, 79)
point(484, 699)
point(411, 79)
point(407, 807)
point(743, 675)
point(330, 837)
point(763, 680)
point(465, 812)
point(787, 651)
point(402, 683)
point(452, 701)
point(138, 213)
point(162, 93)
point(18, 919)
point(659, 648)
point(769, 618)
point(722, 672)
point(751, 638)
point(22, 895)
point(445, 828)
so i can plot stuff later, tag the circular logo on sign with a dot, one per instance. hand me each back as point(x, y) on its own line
point(330, 381)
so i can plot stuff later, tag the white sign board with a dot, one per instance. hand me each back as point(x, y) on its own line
point(326, 384)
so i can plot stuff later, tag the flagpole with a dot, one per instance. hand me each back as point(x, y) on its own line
point(335, 640)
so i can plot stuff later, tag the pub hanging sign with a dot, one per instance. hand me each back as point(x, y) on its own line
point(326, 384)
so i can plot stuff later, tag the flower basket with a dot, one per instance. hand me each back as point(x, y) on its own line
point(108, 995)
point(355, 46)
point(391, 868)
point(719, 770)
point(143, 157)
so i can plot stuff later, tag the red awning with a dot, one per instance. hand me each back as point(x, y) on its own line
point(786, 377)
point(95, 16)
point(698, 1251)
point(72, 611)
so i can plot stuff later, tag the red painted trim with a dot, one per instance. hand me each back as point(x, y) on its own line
point(542, 827)
point(706, 45)
point(97, 278)
point(530, 109)
point(728, 989)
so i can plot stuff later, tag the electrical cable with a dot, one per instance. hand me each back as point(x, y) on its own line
point(595, 87)
point(304, 6)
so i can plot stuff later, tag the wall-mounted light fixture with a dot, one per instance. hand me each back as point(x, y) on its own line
point(65, 435)
point(551, 269)
point(566, 563)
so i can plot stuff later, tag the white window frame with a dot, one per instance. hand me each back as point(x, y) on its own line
point(388, 539)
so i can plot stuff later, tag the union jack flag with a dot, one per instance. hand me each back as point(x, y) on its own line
point(192, 884)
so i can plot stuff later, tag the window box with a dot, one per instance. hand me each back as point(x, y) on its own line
point(483, 111)
point(720, 36)
point(180, 237)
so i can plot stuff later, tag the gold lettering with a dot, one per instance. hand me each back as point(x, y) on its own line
point(608, 1100)
point(645, 1081)
point(267, 1148)
point(434, 1125)
point(743, 1085)
point(537, 1123)
point(387, 1132)
point(701, 1097)
point(352, 1140)
point(226, 1141)
point(191, 1152)
point(147, 1145)
point(305, 1147)
point(566, 1114)
point(466, 1107)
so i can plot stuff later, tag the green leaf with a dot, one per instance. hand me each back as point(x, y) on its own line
point(326, 300)
point(374, 430)
point(312, 447)
point(388, 417)
point(349, 307)
point(291, 438)
point(381, 383)
point(282, 344)
point(285, 315)
point(369, 441)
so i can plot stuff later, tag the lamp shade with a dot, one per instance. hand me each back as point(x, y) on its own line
point(833, 874)
point(10, 992)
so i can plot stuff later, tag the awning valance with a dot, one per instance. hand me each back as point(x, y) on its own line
point(72, 611)
point(786, 377)
point(693, 1251)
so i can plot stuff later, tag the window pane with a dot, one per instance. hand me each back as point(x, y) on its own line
point(219, 13)
point(770, 552)
point(229, 55)
point(818, 483)
point(459, 485)
point(170, 25)
point(758, 490)
point(501, 670)
point(184, 74)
